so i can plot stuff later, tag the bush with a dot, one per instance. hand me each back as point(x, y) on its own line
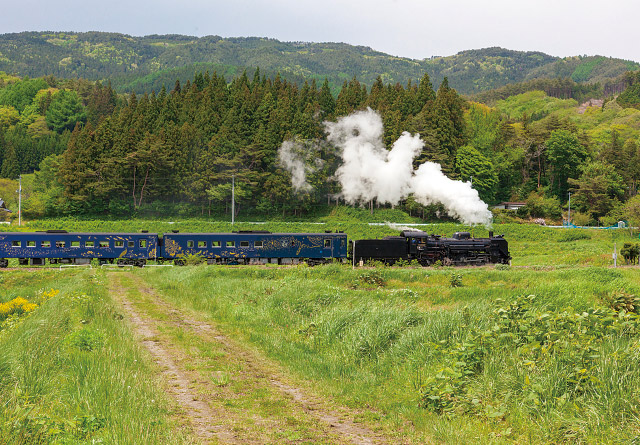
point(630, 252)
point(573, 235)
point(540, 207)
point(455, 280)
point(374, 277)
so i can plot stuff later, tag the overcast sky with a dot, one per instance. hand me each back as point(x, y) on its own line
point(407, 28)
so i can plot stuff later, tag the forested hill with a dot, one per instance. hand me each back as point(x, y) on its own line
point(143, 64)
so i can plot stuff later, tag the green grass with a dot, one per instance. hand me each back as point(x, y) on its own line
point(71, 371)
point(364, 337)
point(375, 346)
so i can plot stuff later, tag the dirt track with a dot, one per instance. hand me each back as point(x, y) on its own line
point(250, 401)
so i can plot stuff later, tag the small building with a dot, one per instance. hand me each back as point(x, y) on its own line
point(510, 205)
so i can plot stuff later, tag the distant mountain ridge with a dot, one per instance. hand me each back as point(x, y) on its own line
point(146, 63)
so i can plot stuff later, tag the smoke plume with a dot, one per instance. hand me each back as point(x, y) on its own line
point(300, 158)
point(370, 171)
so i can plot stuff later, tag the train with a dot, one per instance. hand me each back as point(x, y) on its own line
point(246, 247)
point(427, 249)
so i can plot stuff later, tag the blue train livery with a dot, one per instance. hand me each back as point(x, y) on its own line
point(62, 247)
point(255, 247)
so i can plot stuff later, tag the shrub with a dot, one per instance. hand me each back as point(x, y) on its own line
point(573, 235)
point(630, 252)
point(374, 277)
point(540, 207)
point(455, 280)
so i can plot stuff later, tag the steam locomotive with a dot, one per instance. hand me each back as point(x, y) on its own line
point(413, 245)
point(246, 247)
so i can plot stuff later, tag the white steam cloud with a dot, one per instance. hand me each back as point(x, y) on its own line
point(300, 158)
point(370, 171)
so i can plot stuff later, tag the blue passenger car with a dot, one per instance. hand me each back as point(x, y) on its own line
point(255, 247)
point(59, 246)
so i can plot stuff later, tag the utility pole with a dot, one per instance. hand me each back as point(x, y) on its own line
point(20, 200)
point(233, 199)
point(569, 222)
point(472, 181)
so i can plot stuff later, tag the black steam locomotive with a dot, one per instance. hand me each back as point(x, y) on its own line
point(459, 250)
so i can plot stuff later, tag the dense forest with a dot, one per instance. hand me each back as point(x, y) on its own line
point(98, 152)
point(144, 64)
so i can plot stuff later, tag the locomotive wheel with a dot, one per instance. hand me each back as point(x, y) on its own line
point(180, 262)
point(4, 263)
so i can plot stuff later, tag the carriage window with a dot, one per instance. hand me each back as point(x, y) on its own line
point(118, 243)
point(230, 244)
point(89, 244)
point(131, 243)
point(31, 244)
point(75, 243)
point(202, 244)
point(327, 242)
point(105, 244)
point(45, 244)
point(60, 244)
point(143, 243)
point(16, 244)
point(215, 243)
point(257, 244)
point(190, 243)
point(244, 243)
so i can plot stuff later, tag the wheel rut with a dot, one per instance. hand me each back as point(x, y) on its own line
point(255, 403)
point(199, 416)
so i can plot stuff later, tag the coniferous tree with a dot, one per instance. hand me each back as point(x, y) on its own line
point(10, 166)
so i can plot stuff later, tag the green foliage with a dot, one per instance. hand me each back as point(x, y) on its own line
point(598, 190)
point(86, 339)
point(582, 73)
point(71, 371)
point(66, 110)
point(630, 252)
point(455, 280)
point(143, 64)
point(470, 163)
point(621, 300)
point(20, 94)
point(566, 344)
point(573, 235)
point(538, 206)
point(371, 277)
point(192, 259)
point(566, 156)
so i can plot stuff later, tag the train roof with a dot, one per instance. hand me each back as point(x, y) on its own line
point(254, 233)
point(56, 232)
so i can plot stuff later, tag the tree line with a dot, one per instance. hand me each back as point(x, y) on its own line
point(99, 152)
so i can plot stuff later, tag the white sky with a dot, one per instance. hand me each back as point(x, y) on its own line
point(407, 28)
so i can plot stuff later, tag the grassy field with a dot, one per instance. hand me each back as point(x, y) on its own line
point(70, 370)
point(442, 354)
point(433, 354)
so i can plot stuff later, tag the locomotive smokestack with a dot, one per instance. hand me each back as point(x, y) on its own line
point(490, 233)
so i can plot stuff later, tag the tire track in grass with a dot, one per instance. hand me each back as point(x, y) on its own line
point(320, 424)
point(197, 413)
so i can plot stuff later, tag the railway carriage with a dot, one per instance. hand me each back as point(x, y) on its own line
point(255, 247)
point(62, 247)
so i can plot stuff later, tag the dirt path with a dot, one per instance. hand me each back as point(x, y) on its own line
point(228, 393)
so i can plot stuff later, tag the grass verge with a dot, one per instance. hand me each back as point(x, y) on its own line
point(70, 370)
